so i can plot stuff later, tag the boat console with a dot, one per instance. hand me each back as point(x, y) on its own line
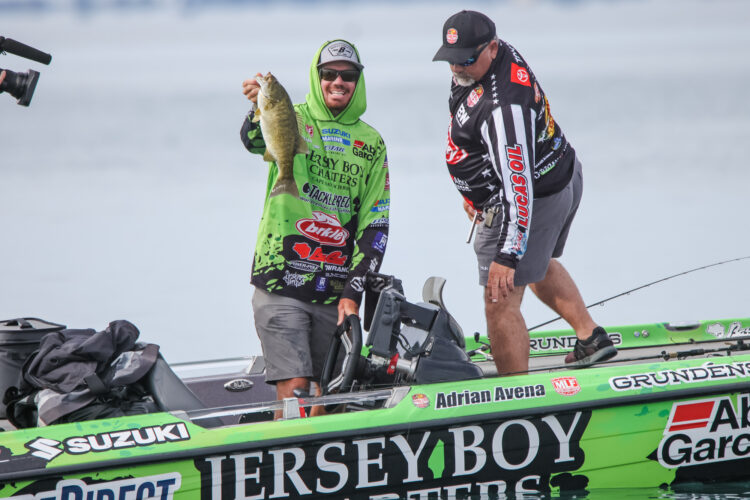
point(407, 342)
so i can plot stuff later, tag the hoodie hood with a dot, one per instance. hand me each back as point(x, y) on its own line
point(314, 99)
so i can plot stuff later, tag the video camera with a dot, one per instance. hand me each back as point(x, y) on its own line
point(21, 85)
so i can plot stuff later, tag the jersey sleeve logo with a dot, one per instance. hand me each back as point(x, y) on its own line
point(519, 75)
point(520, 184)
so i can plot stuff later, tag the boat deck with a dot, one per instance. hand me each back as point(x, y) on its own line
point(240, 407)
point(629, 356)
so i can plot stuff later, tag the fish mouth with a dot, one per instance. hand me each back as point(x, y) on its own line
point(263, 86)
point(263, 81)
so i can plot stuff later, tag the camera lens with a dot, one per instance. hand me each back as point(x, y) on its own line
point(20, 85)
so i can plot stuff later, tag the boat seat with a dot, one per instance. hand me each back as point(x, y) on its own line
point(432, 293)
point(171, 394)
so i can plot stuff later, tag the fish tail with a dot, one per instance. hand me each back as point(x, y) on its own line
point(285, 186)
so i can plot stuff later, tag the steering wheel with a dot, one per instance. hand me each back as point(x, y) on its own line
point(349, 336)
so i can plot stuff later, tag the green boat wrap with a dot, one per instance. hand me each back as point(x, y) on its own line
point(637, 425)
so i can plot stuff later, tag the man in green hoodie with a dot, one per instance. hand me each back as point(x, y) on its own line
point(312, 253)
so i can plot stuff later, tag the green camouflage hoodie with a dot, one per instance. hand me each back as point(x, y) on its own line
point(318, 248)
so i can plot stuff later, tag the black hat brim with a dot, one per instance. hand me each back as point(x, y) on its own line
point(355, 64)
point(454, 55)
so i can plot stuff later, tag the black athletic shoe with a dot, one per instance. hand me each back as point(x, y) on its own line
point(596, 348)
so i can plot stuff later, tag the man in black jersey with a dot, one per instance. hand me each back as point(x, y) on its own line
point(521, 183)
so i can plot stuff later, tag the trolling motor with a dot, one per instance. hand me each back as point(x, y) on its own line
point(408, 343)
point(21, 85)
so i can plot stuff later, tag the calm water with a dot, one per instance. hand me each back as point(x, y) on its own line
point(125, 192)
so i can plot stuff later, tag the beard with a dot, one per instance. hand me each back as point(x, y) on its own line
point(464, 81)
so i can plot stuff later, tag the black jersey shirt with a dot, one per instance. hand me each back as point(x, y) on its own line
point(505, 149)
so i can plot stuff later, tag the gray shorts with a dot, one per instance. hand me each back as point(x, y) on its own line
point(294, 335)
point(551, 218)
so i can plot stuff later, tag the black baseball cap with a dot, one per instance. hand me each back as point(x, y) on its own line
point(462, 34)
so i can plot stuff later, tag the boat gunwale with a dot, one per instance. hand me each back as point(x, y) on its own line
point(159, 457)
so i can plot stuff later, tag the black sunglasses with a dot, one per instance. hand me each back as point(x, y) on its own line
point(348, 75)
point(475, 55)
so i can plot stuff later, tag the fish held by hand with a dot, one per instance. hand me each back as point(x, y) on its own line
point(281, 126)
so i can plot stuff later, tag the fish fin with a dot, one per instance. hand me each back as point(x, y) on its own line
point(256, 115)
point(301, 147)
point(267, 156)
point(300, 124)
point(285, 186)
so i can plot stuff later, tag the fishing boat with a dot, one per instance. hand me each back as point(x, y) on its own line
point(417, 411)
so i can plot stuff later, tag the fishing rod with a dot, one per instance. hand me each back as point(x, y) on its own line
point(728, 348)
point(644, 286)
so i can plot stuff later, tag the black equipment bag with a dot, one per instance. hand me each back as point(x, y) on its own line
point(82, 375)
point(19, 337)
